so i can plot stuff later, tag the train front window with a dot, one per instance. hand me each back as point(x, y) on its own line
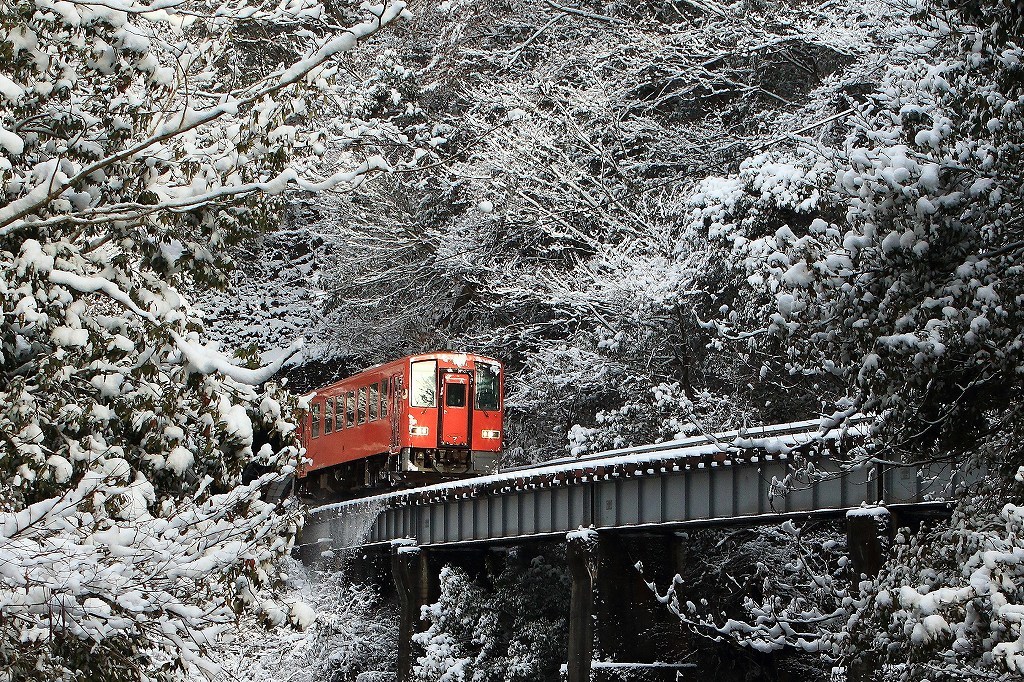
point(423, 388)
point(488, 386)
point(455, 395)
point(328, 416)
point(314, 428)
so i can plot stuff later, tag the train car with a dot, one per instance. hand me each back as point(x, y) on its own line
point(421, 419)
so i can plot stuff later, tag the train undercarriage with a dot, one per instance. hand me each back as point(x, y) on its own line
point(410, 468)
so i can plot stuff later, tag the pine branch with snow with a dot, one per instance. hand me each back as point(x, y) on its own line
point(134, 146)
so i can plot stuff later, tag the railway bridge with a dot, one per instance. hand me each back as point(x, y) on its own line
point(593, 504)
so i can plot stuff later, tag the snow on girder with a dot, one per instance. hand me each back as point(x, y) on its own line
point(751, 446)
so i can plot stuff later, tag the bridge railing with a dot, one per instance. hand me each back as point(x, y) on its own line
point(751, 479)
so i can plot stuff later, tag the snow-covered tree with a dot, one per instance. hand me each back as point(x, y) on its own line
point(136, 142)
point(948, 604)
point(884, 268)
point(352, 636)
point(557, 145)
point(877, 264)
point(515, 630)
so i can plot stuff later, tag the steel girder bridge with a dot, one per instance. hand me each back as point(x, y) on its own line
point(760, 476)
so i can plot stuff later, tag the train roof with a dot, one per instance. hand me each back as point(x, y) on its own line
point(452, 356)
point(455, 357)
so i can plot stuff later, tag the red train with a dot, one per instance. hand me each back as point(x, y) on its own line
point(414, 421)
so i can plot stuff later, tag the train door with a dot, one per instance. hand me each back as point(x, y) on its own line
point(455, 409)
point(395, 413)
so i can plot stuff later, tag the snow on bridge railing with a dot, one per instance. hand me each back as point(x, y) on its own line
point(749, 446)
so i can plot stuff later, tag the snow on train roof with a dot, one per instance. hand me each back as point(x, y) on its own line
point(457, 358)
point(778, 439)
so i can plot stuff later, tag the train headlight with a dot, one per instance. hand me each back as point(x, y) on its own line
point(419, 430)
point(487, 433)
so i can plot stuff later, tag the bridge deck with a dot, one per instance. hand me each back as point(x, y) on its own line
point(674, 484)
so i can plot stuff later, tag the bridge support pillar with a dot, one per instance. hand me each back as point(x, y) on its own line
point(867, 536)
point(582, 555)
point(617, 624)
point(408, 567)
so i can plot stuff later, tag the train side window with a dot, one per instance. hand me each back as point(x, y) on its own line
point(383, 398)
point(350, 410)
point(328, 416)
point(423, 380)
point(314, 427)
point(339, 413)
point(374, 401)
point(362, 405)
point(488, 386)
point(455, 395)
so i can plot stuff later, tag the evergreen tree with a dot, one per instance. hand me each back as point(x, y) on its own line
point(136, 142)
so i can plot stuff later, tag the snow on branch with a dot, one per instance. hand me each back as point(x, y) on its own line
point(207, 360)
point(65, 181)
point(122, 517)
point(89, 285)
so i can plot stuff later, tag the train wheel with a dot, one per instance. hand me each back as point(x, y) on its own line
point(380, 477)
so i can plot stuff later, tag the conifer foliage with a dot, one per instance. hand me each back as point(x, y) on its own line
point(136, 142)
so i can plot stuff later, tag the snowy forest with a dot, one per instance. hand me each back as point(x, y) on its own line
point(667, 218)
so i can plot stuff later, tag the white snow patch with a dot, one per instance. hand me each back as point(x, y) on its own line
point(62, 469)
point(877, 510)
point(581, 534)
point(179, 460)
point(10, 141)
point(301, 615)
point(11, 90)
